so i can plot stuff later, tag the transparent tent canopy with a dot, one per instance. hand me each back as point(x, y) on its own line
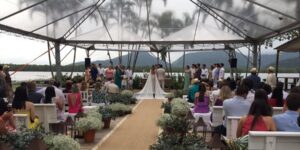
point(119, 21)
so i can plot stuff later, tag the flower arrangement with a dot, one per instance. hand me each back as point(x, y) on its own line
point(170, 95)
point(94, 113)
point(127, 93)
point(180, 108)
point(88, 123)
point(164, 120)
point(106, 112)
point(61, 142)
point(120, 109)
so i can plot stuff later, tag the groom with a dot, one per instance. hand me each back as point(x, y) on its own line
point(161, 76)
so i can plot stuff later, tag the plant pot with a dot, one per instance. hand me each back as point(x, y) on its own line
point(89, 136)
point(37, 144)
point(106, 122)
point(4, 146)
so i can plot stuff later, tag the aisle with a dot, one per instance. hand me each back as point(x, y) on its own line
point(138, 131)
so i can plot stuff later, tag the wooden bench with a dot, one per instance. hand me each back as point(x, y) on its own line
point(46, 113)
point(21, 120)
point(217, 115)
point(231, 128)
point(274, 140)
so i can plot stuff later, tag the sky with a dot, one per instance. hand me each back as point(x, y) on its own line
point(20, 50)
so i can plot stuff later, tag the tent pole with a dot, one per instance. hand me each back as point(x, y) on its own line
point(254, 55)
point(57, 61)
point(49, 56)
point(73, 65)
point(277, 63)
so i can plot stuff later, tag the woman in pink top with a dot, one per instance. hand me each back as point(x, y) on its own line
point(109, 73)
point(74, 100)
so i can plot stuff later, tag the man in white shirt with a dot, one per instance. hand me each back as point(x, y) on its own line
point(161, 76)
point(58, 92)
point(221, 72)
point(204, 72)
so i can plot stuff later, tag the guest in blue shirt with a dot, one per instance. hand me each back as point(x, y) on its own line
point(287, 121)
point(192, 90)
point(254, 78)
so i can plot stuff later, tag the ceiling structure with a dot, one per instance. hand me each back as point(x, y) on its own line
point(99, 23)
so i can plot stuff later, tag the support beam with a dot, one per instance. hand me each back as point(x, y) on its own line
point(254, 55)
point(277, 63)
point(57, 62)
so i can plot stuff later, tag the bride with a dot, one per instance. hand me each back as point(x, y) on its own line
point(152, 89)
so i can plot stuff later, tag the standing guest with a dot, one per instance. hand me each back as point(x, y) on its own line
point(259, 117)
point(201, 100)
point(109, 73)
point(271, 78)
point(210, 72)
point(192, 90)
point(204, 71)
point(21, 105)
point(2, 80)
point(74, 100)
point(34, 96)
point(2, 74)
point(124, 77)
point(161, 76)
point(254, 78)
point(193, 71)
point(198, 72)
point(129, 74)
point(9, 90)
point(100, 71)
point(187, 77)
point(94, 72)
point(68, 88)
point(215, 74)
point(50, 97)
point(98, 95)
point(118, 76)
point(221, 72)
point(236, 106)
point(87, 75)
point(287, 121)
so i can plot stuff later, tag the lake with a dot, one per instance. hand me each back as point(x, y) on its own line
point(27, 75)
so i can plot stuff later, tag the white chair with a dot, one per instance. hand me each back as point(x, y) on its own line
point(274, 140)
point(231, 128)
point(46, 113)
point(84, 97)
point(217, 115)
point(66, 102)
point(21, 120)
point(277, 110)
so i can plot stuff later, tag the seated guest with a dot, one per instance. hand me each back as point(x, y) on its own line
point(201, 100)
point(6, 116)
point(287, 121)
point(74, 100)
point(83, 86)
point(21, 105)
point(259, 117)
point(215, 93)
point(268, 89)
point(32, 94)
point(276, 99)
point(225, 93)
point(192, 90)
point(251, 91)
point(50, 97)
point(236, 106)
point(98, 95)
point(68, 88)
point(110, 87)
point(58, 91)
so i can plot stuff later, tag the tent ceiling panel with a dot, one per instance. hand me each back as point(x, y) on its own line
point(145, 21)
point(291, 46)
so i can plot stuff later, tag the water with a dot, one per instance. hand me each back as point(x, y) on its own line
point(25, 76)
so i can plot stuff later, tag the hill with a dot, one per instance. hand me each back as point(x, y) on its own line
point(144, 59)
point(221, 57)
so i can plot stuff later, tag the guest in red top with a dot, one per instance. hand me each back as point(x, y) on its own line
point(259, 117)
point(74, 100)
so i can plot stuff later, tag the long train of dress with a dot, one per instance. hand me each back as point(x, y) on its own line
point(151, 89)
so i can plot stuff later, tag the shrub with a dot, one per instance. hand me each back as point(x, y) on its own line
point(88, 123)
point(61, 142)
point(120, 109)
point(180, 108)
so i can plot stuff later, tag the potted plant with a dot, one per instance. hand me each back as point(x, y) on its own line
point(88, 126)
point(120, 109)
point(107, 115)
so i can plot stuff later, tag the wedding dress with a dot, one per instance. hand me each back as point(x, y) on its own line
point(151, 89)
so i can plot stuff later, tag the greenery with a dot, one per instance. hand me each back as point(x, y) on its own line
point(180, 108)
point(137, 82)
point(106, 112)
point(125, 97)
point(167, 107)
point(85, 124)
point(61, 142)
point(120, 109)
point(23, 137)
